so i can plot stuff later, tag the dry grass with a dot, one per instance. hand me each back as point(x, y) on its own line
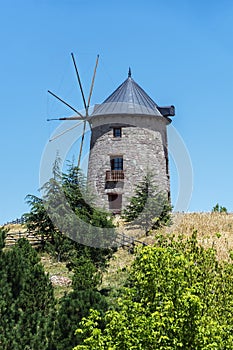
point(15, 228)
point(213, 230)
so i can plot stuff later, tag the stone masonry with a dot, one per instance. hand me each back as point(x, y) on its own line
point(143, 147)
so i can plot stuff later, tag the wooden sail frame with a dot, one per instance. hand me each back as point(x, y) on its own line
point(79, 116)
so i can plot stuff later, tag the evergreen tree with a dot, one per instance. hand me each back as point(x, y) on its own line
point(76, 305)
point(26, 300)
point(219, 209)
point(65, 218)
point(148, 207)
point(6, 312)
point(38, 220)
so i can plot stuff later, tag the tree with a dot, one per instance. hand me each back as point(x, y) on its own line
point(219, 209)
point(148, 207)
point(76, 304)
point(178, 297)
point(65, 218)
point(26, 300)
point(38, 220)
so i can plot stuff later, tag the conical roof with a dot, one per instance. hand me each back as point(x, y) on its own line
point(129, 98)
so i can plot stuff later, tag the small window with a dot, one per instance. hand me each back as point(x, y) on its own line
point(117, 132)
point(117, 163)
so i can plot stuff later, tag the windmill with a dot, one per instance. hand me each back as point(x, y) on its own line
point(86, 104)
point(128, 137)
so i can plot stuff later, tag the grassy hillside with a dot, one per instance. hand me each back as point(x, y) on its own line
point(213, 230)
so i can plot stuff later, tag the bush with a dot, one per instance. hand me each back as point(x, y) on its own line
point(178, 297)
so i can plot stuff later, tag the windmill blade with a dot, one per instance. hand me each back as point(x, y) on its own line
point(79, 81)
point(75, 117)
point(81, 144)
point(64, 132)
point(67, 104)
point(92, 83)
point(88, 104)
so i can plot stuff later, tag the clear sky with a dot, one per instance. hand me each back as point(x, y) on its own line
point(180, 52)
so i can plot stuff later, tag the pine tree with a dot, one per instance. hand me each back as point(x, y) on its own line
point(6, 312)
point(76, 304)
point(67, 221)
point(26, 300)
point(148, 208)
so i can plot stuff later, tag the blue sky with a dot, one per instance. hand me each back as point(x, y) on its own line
point(180, 52)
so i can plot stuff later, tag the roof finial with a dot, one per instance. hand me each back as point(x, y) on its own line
point(129, 73)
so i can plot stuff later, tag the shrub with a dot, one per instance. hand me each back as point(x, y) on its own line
point(178, 297)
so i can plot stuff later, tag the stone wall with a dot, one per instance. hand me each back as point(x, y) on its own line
point(143, 146)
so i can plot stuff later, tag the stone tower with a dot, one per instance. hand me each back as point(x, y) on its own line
point(129, 139)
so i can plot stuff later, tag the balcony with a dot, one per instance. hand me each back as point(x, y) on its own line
point(114, 175)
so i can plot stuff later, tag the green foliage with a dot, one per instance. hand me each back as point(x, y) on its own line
point(3, 233)
point(76, 305)
point(26, 299)
point(29, 315)
point(178, 297)
point(148, 207)
point(219, 209)
point(37, 220)
point(65, 218)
